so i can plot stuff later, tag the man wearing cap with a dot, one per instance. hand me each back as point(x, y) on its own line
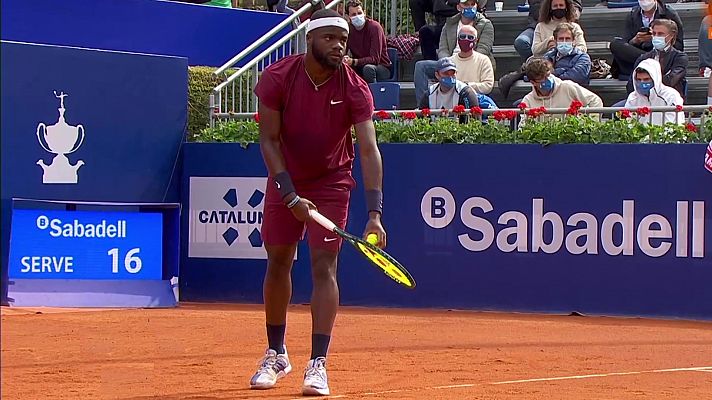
point(308, 104)
point(448, 92)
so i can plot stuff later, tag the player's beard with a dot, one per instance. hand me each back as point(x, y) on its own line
point(323, 58)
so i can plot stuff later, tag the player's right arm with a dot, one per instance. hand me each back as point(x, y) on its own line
point(270, 127)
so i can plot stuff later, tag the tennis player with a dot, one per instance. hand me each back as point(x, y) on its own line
point(307, 105)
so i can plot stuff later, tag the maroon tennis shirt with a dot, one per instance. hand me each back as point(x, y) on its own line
point(316, 123)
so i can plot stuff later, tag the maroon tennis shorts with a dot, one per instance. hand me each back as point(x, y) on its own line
point(279, 227)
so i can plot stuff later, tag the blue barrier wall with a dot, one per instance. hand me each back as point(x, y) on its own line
point(205, 35)
point(647, 251)
point(132, 110)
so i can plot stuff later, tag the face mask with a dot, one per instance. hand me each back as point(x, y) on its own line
point(559, 13)
point(547, 86)
point(646, 5)
point(358, 20)
point(466, 45)
point(565, 48)
point(447, 82)
point(659, 43)
point(644, 87)
point(469, 13)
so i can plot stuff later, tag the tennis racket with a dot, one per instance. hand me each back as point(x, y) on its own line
point(379, 258)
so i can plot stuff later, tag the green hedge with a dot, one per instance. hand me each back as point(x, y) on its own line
point(570, 129)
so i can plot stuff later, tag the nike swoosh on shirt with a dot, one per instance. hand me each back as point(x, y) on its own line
point(329, 239)
point(333, 103)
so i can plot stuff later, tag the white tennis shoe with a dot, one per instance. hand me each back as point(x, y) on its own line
point(272, 368)
point(315, 381)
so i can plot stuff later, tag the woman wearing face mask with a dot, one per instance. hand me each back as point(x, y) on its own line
point(638, 38)
point(367, 45)
point(552, 13)
point(672, 61)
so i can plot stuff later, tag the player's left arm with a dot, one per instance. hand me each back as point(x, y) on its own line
point(372, 170)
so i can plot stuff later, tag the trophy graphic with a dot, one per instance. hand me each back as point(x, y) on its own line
point(61, 139)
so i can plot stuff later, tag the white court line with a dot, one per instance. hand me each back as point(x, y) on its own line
point(558, 378)
point(561, 378)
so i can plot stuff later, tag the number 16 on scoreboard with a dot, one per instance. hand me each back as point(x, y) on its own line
point(132, 262)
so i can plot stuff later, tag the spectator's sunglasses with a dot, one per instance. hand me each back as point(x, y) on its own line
point(466, 36)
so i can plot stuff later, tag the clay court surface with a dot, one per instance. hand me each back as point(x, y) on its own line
point(208, 351)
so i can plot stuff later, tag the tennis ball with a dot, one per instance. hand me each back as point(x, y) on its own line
point(372, 238)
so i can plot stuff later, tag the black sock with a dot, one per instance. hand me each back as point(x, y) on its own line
point(275, 337)
point(320, 345)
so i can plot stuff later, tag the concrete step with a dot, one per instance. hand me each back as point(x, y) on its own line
point(508, 59)
point(610, 91)
point(600, 24)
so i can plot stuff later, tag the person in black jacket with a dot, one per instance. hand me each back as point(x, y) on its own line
point(523, 42)
point(441, 10)
point(638, 35)
point(672, 61)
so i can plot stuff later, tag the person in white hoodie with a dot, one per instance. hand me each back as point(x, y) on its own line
point(651, 92)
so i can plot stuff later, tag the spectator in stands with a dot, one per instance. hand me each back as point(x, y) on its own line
point(570, 63)
point(367, 45)
point(448, 92)
point(650, 91)
point(473, 68)
point(523, 42)
point(429, 35)
point(551, 92)
point(447, 43)
point(704, 46)
point(440, 9)
point(672, 61)
point(425, 69)
point(638, 37)
point(552, 13)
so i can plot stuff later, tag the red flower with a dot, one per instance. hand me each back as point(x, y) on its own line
point(678, 108)
point(476, 111)
point(257, 117)
point(691, 127)
point(574, 107)
point(536, 112)
point(458, 109)
point(625, 114)
point(409, 115)
point(425, 112)
point(501, 115)
point(522, 105)
point(643, 111)
point(576, 104)
point(710, 108)
point(382, 114)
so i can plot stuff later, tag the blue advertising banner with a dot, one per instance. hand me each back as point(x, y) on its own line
point(600, 229)
point(89, 125)
point(51, 244)
point(205, 35)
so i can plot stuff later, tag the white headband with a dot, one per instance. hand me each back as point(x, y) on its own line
point(328, 21)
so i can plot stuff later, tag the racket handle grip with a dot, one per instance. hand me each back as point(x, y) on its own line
point(322, 220)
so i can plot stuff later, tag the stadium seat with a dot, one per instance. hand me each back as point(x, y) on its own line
point(386, 95)
point(621, 4)
point(393, 56)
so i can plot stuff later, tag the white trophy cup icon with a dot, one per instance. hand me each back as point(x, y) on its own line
point(61, 139)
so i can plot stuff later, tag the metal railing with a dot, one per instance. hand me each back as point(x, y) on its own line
point(236, 94)
point(602, 112)
point(394, 15)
